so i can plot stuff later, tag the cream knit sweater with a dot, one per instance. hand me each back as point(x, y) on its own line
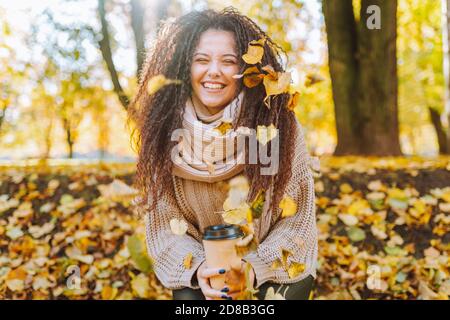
point(196, 202)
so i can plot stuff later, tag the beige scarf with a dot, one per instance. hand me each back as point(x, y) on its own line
point(203, 154)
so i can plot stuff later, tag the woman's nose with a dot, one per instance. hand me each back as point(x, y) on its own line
point(214, 69)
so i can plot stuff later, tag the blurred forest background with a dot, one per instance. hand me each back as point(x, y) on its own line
point(375, 104)
point(69, 68)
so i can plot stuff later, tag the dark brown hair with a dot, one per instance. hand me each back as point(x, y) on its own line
point(157, 116)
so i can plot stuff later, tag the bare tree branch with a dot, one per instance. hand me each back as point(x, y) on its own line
point(105, 48)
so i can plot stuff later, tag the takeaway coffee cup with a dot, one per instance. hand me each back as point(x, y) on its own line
point(219, 242)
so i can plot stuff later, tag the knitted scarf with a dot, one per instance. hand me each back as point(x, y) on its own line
point(204, 154)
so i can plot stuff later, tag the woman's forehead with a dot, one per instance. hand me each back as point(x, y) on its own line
point(215, 41)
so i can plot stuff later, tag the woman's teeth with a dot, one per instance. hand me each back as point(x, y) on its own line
point(213, 85)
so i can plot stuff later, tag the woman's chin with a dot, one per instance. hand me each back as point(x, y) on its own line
point(215, 105)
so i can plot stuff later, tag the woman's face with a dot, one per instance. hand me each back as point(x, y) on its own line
point(214, 64)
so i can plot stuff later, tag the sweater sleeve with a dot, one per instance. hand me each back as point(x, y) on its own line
point(297, 233)
point(168, 250)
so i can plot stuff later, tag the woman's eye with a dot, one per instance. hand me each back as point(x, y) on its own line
point(201, 60)
point(230, 61)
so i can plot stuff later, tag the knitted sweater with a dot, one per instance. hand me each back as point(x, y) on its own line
point(198, 204)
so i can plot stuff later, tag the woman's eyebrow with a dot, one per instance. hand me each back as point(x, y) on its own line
point(230, 54)
point(200, 54)
point(206, 55)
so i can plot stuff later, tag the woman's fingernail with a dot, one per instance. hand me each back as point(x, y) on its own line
point(222, 271)
point(225, 290)
point(230, 298)
point(224, 296)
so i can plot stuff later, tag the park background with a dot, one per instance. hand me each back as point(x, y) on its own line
point(374, 104)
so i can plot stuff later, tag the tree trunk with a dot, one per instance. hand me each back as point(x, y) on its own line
point(446, 56)
point(137, 23)
point(105, 48)
point(378, 90)
point(440, 132)
point(341, 33)
point(363, 68)
point(69, 138)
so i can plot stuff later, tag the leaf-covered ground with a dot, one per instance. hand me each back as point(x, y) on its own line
point(383, 232)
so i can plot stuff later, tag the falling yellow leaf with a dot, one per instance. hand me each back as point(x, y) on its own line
point(236, 198)
point(255, 52)
point(187, 261)
point(265, 134)
point(178, 226)
point(293, 101)
point(288, 207)
point(245, 241)
point(277, 85)
point(252, 77)
point(237, 215)
point(253, 80)
point(271, 71)
point(159, 81)
point(312, 79)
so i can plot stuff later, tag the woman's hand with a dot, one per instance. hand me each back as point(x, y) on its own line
point(203, 275)
point(238, 284)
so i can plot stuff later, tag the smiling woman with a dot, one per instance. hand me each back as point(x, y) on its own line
point(207, 55)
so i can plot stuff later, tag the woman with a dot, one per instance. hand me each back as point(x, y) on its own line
point(204, 52)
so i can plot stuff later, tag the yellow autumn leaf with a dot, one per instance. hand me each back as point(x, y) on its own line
point(271, 71)
point(295, 269)
point(109, 293)
point(224, 126)
point(178, 226)
point(255, 52)
point(245, 241)
point(265, 134)
point(187, 261)
point(285, 253)
point(312, 79)
point(236, 198)
point(159, 81)
point(140, 285)
point(288, 207)
point(345, 188)
point(257, 205)
point(277, 85)
point(253, 80)
point(237, 215)
point(240, 182)
point(293, 101)
point(446, 196)
point(348, 219)
point(252, 77)
point(276, 264)
point(358, 207)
